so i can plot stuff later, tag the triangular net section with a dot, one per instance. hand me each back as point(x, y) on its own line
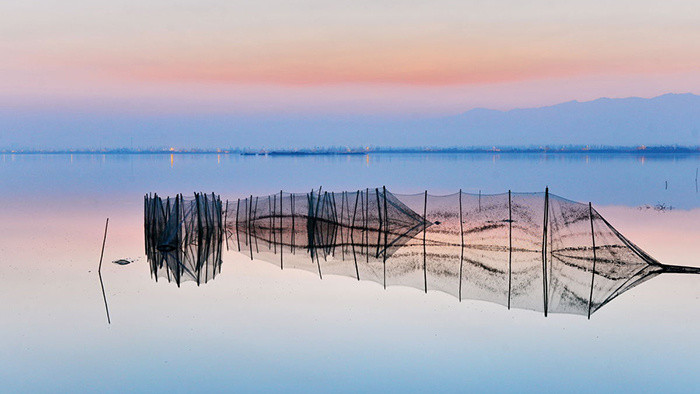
point(184, 237)
point(346, 233)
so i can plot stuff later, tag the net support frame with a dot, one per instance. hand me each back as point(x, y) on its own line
point(590, 297)
point(249, 214)
point(386, 230)
point(461, 252)
point(544, 249)
point(510, 247)
point(425, 265)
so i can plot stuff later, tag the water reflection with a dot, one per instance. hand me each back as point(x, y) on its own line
point(183, 237)
point(532, 251)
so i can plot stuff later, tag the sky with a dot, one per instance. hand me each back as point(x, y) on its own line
point(380, 57)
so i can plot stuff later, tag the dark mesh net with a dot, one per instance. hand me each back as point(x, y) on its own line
point(348, 233)
point(184, 237)
point(531, 251)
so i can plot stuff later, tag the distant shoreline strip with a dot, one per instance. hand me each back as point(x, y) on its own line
point(639, 150)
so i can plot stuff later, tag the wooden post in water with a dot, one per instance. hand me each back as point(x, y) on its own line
point(331, 237)
point(291, 197)
point(350, 229)
point(510, 247)
point(590, 296)
point(238, 209)
point(352, 235)
point(309, 224)
point(461, 253)
point(99, 272)
point(425, 264)
point(386, 230)
point(253, 230)
point(281, 239)
point(249, 215)
point(544, 250)
point(342, 243)
point(225, 223)
point(367, 222)
point(201, 261)
point(379, 223)
point(198, 199)
point(318, 203)
point(273, 218)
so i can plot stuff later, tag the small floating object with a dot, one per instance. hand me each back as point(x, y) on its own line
point(122, 261)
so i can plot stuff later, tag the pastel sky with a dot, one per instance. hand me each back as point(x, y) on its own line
point(372, 57)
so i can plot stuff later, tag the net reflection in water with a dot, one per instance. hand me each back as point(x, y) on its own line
point(533, 251)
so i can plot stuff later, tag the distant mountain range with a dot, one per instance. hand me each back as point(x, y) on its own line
point(671, 119)
point(663, 120)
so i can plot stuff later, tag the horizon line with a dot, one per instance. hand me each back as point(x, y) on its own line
point(344, 150)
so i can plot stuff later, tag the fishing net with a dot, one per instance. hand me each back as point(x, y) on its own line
point(184, 237)
point(531, 251)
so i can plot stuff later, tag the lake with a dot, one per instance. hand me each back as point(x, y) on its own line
point(258, 328)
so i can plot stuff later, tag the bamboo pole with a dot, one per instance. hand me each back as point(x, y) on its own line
point(510, 247)
point(544, 250)
point(273, 218)
point(342, 244)
point(291, 197)
point(590, 296)
point(253, 230)
point(238, 209)
point(225, 223)
point(386, 230)
point(379, 223)
point(281, 239)
point(99, 273)
point(425, 264)
point(318, 203)
point(367, 223)
point(249, 215)
point(461, 253)
point(352, 235)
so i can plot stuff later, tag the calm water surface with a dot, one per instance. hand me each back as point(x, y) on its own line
point(257, 328)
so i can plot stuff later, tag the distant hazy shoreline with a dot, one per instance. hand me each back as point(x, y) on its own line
point(637, 150)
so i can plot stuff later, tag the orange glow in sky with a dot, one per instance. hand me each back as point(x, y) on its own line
point(285, 54)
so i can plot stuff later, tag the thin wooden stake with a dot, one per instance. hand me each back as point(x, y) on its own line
point(318, 204)
point(225, 224)
point(99, 273)
point(238, 209)
point(281, 243)
point(590, 296)
point(461, 254)
point(425, 265)
point(352, 235)
point(386, 230)
point(342, 244)
point(544, 249)
point(291, 197)
point(510, 247)
point(269, 214)
point(367, 222)
point(253, 229)
point(273, 217)
point(249, 230)
point(379, 223)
